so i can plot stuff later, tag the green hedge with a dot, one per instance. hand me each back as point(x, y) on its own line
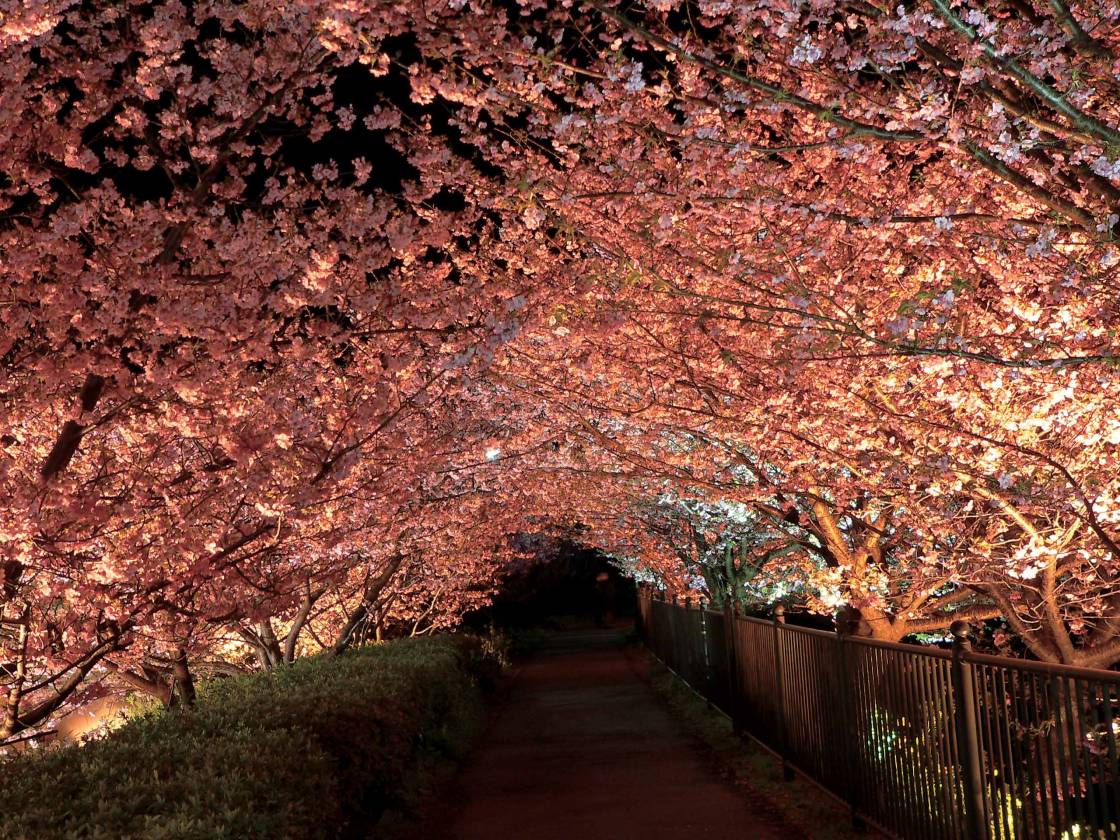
point(317, 749)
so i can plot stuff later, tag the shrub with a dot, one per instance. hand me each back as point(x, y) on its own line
point(316, 749)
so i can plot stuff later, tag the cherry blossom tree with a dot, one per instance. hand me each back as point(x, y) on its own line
point(307, 307)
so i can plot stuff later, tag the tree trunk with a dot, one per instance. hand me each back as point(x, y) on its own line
point(62, 690)
point(364, 610)
point(15, 692)
point(271, 643)
point(151, 682)
point(184, 682)
point(309, 599)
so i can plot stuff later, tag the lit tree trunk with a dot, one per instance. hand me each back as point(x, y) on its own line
point(364, 610)
point(150, 681)
point(183, 681)
point(61, 688)
point(15, 691)
point(310, 596)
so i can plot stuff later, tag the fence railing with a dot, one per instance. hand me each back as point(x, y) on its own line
point(921, 742)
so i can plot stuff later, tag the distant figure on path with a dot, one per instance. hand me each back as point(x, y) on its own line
point(604, 599)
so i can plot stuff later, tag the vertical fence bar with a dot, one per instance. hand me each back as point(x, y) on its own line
point(704, 660)
point(640, 619)
point(674, 638)
point(734, 706)
point(845, 626)
point(1109, 769)
point(968, 739)
point(780, 694)
point(1084, 720)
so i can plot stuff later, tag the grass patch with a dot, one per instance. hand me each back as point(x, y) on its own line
point(799, 804)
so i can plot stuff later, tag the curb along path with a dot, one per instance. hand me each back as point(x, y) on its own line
point(584, 749)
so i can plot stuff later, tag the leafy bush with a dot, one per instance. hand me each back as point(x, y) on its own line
point(317, 749)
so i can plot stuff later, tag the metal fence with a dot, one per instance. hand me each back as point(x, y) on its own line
point(921, 742)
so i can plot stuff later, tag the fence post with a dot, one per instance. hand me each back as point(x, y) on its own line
point(705, 662)
point(639, 618)
point(779, 620)
point(674, 637)
point(730, 624)
point(657, 628)
point(845, 626)
point(968, 738)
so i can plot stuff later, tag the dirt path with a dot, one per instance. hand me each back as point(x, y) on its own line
point(584, 749)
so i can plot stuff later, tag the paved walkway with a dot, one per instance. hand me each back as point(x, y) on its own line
point(584, 749)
